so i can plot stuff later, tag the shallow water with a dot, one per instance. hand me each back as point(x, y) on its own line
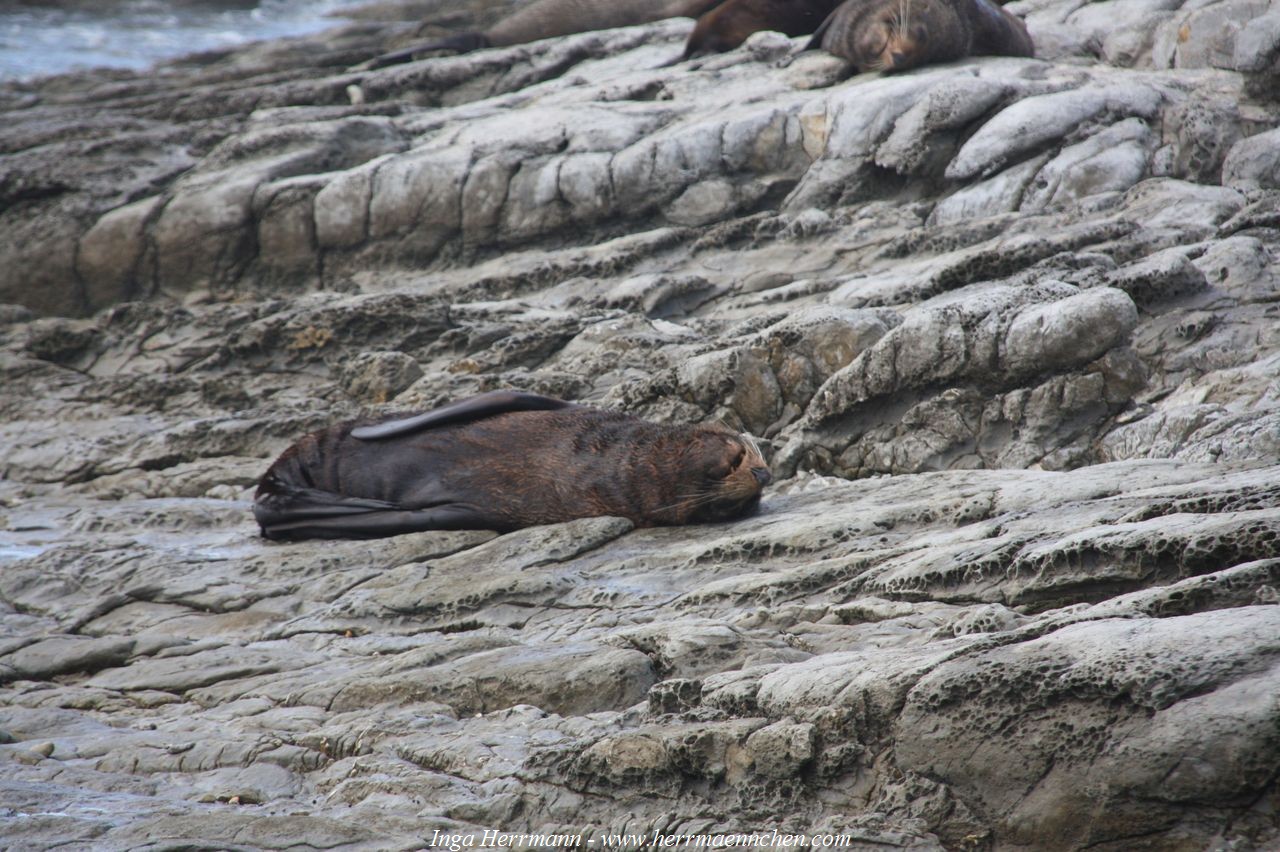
point(41, 38)
point(13, 552)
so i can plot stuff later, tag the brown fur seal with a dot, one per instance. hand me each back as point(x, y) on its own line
point(549, 18)
point(894, 35)
point(502, 461)
point(729, 24)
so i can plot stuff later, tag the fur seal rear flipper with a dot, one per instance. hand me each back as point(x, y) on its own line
point(288, 512)
point(463, 411)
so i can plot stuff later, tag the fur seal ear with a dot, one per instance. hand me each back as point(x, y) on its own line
point(475, 408)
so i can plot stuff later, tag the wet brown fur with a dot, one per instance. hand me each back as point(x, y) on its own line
point(894, 35)
point(549, 18)
point(526, 468)
point(730, 24)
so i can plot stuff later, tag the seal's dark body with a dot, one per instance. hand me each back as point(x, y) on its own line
point(486, 465)
point(729, 24)
point(549, 18)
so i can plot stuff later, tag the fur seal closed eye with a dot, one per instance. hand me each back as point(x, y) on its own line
point(503, 461)
point(894, 35)
point(549, 18)
point(730, 24)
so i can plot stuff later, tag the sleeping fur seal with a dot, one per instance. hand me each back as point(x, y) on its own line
point(894, 35)
point(502, 461)
point(730, 24)
point(549, 18)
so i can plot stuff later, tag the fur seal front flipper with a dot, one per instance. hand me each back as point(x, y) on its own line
point(474, 408)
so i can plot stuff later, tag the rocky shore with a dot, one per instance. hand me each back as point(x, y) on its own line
point(1008, 331)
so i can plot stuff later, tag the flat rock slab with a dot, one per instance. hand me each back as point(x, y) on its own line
point(794, 672)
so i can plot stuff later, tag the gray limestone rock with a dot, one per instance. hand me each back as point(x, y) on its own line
point(1127, 724)
point(1164, 275)
point(1253, 163)
point(938, 357)
point(1034, 121)
point(1206, 37)
point(57, 655)
point(379, 376)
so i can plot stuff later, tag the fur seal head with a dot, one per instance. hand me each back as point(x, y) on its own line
point(894, 35)
point(721, 476)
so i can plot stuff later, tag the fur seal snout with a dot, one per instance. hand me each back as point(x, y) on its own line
point(894, 35)
point(503, 461)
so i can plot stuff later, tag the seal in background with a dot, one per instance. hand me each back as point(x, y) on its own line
point(730, 24)
point(549, 18)
point(894, 35)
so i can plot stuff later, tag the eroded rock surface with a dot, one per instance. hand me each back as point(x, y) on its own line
point(1007, 330)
